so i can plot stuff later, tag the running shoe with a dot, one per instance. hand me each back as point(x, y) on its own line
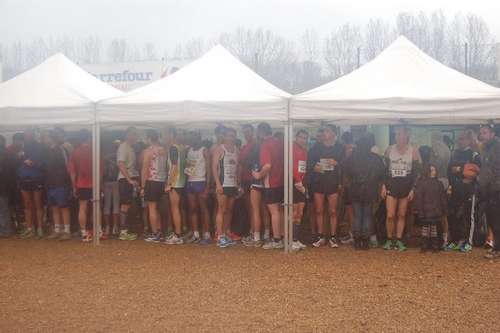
point(153, 238)
point(116, 230)
point(87, 237)
point(230, 241)
point(216, 237)
point(388, 245)
point(27, 233)
point(466, 247)
point(399, 245)
point(333, 242)
point(107, 230)
point(445, 244)
point(302, 246)
point(39, 233)
point(221, 242)
point(489, 244)
point(65, 236)
point(174, 240)
point(452, 246)
point(247, 238)
point(205, 241)
point(273, 245)
point(253, 243)
point(234, 236)
point(187, 233)
point(103, 235)
point(492, 255)
point(347, 240)
point(296, 247)
point(128, 236)
point(374, 243)
point(192, 240)
point(145, 231)
point(312, 239)
point(320, 242)
point(53, 236)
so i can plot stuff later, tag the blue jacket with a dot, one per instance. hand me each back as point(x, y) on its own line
point(33, 151)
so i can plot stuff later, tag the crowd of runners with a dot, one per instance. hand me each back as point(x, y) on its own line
point(200, 181)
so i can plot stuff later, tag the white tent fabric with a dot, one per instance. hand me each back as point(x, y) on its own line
point(57, 92)
point(402, 84)
point(215, 88)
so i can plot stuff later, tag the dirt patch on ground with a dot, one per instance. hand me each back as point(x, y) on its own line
point(50, 286)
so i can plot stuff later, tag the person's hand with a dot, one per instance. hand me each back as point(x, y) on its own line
point(331, 161)
point(219, 189)
point(29, 163)
point(383, 192)
point(299, 186)
point(467, 181)
point(411, 195)
point(168, 188)
point(143, 192)
point(134, 183)
point(20, 154)
point(206, 192)
point(455, 169)
point(256, 174)
point(317, 168)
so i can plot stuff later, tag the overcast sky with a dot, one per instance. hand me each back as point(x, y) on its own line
point(166, 23)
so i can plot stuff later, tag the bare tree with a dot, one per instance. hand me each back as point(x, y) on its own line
point(91, 49)
point(119, 51)
point(36, 53)
point(149, 52)
point(341, 49)
point(378, 36)
point(438, 41)
point(17, 56)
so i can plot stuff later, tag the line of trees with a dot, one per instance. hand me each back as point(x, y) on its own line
point(297, 66)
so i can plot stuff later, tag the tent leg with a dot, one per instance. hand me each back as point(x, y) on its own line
point(288, 187)
point(96, 186)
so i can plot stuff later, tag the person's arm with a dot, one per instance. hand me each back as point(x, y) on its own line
point(174, 160)
point(265, 160)
point(383, 191)
point(443, 200)
point(217, 154)
point(263, 172)
point(208, 166)
point(415, 172)
point(72, 173)
point(144, 171)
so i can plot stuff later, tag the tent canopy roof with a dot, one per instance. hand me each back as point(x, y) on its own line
point(215, 88)
point(402, 84)
point(55, 92)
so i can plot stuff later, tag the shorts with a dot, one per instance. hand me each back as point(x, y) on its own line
point(30, 185)
point(179, 190)
point(398, 187)
point(298, 196)
point(246, 185)
point(326, 187)
point(274, 195)
point(58, 196)
point(126, 190)
point(84, 194)
point(196, 187)
point(258, 189)
point(153, 192)
point(347, 196)
point(231, 192)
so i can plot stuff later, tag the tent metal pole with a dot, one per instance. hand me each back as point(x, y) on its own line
point(290, 185)
point(96, 186)
point(286, 200)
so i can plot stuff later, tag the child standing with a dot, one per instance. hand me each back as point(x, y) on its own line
point(431, 205)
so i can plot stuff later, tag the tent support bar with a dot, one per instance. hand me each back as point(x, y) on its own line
point(96, 186)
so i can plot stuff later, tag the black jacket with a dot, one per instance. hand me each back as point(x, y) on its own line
point(366, 171)
point(459, 158)
point(430, 198)
point(489, 176)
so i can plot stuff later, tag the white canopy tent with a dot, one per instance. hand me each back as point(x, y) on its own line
point(216, 88)
point(401, 85)
point(57, 92)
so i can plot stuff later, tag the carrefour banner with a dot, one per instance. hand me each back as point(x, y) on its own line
point(127, 76)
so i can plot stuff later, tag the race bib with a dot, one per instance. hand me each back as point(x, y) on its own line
point(398, 170)
point(325, 165)
point(302, 166)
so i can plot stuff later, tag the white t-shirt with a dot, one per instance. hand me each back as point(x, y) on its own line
point(126, 154)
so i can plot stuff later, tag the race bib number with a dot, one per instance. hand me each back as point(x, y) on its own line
point(325, 165)
point(398, 170)
point(302, 166)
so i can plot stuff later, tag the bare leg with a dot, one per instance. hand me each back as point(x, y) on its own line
point(176, 213)
point(391, 204)
point(332, 210)
point(28, 208)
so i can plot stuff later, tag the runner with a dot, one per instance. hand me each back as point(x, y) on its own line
point(398, 188)
point(80, 168)
point(220, 137)
point(58, 184)
point(153, 178)
point(61, 136)
point(110, 180)
point(176, 181)
point(6, 172)
point(299, 190)
point(199, 170)
point(28, 158)
point(226, 175)
point(309, 181)
point(272, 178)
point(128, 179)
point(327, 160)
point(246, 171)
